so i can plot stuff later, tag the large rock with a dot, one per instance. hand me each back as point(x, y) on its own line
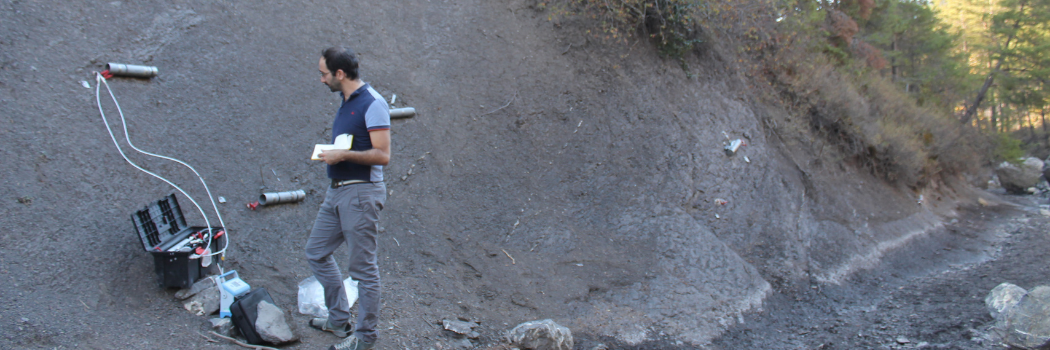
point(201, 285)
point(272, 326)
point(541, 335)
point(1018, 178)
point(1003, 297)
point(1046, 169)
point(205, 302)
point(1026, 325)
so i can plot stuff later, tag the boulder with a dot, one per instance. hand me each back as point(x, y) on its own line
point(201, 285)
point(272, 326)
point(206, 302)
point(1026, 325)
point(1018, 179)
point(1046, 169)
point(541, 335)
point(1003, 297)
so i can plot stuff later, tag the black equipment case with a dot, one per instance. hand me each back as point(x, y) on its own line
point(161, 227)
point(245, 310)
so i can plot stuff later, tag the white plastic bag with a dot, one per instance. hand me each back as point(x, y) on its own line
point(311, 296)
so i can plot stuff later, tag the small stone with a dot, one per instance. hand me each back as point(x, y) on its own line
point(458, 327)
point(543, 334)
point(903, 340)
point(25, 320)
point(222, 325)
point(463, 344)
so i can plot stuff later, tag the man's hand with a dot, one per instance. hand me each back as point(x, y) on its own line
point(378, 155)
point(333, 156)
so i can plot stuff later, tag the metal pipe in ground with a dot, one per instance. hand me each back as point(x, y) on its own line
point(271, 198)
point(406, 112)
point(131, 70)
point(733, 146)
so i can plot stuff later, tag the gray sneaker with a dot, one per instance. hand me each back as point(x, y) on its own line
point(323, 324)
point(352, 343)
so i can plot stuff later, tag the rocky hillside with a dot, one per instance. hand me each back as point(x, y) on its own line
point(547, 174)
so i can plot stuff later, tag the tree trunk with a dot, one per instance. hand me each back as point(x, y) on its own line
point(893, 60)
point(995, 120)
point(1042, 120)
point(1031, 125)
point(971, 109)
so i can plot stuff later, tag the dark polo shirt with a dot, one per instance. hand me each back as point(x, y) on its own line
point(364, 111)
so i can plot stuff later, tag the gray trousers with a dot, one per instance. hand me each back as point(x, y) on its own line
point(349, 214)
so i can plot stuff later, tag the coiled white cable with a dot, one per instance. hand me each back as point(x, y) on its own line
point(99, 81)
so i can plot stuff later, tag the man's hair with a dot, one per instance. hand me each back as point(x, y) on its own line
point(336, 58)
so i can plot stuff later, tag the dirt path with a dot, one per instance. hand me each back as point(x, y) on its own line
point(928, 295)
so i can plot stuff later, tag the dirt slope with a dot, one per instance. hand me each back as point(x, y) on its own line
point(596, 166)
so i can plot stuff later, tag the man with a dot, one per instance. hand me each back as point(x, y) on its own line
point(350, 211)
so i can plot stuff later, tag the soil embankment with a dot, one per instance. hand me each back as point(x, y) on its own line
point(598, 167)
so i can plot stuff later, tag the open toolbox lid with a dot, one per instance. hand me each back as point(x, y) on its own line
point(159, 223)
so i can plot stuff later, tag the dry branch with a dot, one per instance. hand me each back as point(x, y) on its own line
point(238, 342)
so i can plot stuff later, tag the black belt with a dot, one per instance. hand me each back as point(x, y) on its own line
point(336, 183)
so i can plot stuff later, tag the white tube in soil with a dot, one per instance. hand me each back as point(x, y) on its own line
point(271, 198)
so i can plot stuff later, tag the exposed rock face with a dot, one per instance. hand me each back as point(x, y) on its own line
point(1018, 178)
point(696, 288)
point(272, 326)
point(1026, 324)
point(541, 335)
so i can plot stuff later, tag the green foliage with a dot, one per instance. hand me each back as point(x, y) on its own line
point(1008, 149)
point(858, 82)
point(1006, 42)
point(920, 49)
